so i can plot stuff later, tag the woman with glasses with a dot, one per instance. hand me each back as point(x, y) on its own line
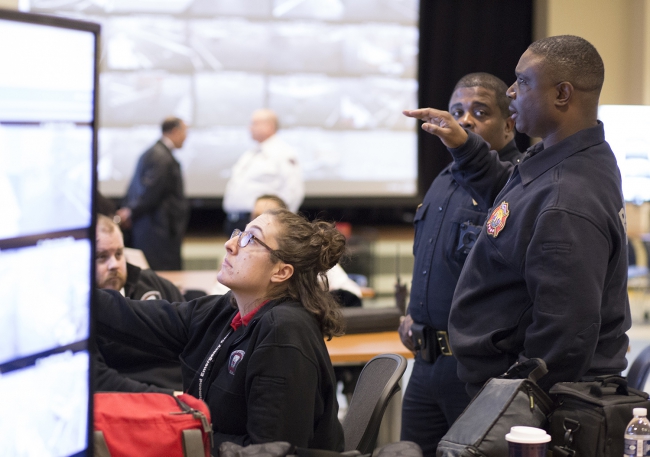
point(256, 355)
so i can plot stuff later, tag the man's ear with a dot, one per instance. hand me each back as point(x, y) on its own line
point(284, 272)
point(564, 91)
point(510, 125)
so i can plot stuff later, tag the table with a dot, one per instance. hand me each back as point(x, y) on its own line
point(191, 279)
point(206, 279)
point(359, 348)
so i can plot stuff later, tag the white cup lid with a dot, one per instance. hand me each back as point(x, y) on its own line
point(527, 435)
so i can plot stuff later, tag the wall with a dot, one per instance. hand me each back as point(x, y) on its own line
point(9, 4)
point(620, 30)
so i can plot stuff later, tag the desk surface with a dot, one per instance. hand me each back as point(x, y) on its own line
point(359, 348)
point(205, 280)
point(191, 279)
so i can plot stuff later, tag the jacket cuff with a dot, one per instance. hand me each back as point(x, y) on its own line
point(468, 149)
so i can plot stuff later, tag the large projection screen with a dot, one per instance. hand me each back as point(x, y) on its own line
point(47, 183)
point(337, 72)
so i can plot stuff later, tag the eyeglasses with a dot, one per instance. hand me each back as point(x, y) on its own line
point(246, 237)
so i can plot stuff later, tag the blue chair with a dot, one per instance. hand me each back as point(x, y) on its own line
point(639, 370)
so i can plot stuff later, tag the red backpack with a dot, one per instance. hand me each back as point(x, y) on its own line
point(151, 424)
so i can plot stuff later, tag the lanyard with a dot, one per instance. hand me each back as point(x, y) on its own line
point(208, 362)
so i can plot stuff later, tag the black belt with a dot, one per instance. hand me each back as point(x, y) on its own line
point(429, 342)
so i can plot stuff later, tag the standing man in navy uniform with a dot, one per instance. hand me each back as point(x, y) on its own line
point(156, 208)
point(446, 226)
point(547, 276)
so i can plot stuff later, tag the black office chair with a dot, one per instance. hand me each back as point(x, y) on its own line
point(639, 370)
point(378, 382)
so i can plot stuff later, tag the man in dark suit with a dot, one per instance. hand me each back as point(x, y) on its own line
point(155, 206)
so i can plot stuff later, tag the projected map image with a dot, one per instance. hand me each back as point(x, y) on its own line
point(345, 66)
point(39, 315)
point(368, 162)
point(217, 94)
point(49, 407)
point(129, 99)
point(55, 178)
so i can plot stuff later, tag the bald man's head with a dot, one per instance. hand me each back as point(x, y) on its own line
point(264, 124)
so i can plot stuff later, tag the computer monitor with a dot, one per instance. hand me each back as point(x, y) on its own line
point(47, 183)
point(626, 130)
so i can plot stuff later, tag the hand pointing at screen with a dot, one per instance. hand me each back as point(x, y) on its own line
point(440, 123)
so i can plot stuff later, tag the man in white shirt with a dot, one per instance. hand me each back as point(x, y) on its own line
point(269, 168)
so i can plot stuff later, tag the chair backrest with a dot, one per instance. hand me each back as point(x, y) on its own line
point(136, 257)
point(639, 370)
point(378, 382)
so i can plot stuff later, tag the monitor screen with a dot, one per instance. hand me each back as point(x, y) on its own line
point(626, 131)
point(47, 182)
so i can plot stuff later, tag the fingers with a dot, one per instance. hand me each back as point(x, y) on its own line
point(428, 115)
point(432, 129)
point(405, 332)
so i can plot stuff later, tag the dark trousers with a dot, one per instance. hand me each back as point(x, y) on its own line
point(433, 400)
point(161, 248)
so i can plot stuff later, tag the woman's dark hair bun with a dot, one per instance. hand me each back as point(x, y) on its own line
point(312, 248)
point(331, 242)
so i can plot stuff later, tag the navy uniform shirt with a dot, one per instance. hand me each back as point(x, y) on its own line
point(438, 261)
point(547, 276)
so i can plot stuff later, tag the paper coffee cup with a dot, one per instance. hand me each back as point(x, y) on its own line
point(527, 435)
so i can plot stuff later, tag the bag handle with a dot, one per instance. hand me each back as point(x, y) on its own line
point(532, 369)
point(187, 409)
point(99, 445)
point(620, 381)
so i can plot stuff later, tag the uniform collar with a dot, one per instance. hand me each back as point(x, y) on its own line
point(169, 144)
point(541, 160)
point(260, 147)
point(238, 320)
point(132, 276)
point(509, 152)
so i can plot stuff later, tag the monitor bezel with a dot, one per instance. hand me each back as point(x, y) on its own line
point(95, 29)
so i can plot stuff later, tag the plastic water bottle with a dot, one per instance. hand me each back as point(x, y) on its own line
point(637, 434)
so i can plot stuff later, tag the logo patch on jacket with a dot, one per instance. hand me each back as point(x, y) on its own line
point(152, 295)
point(497, 220)
point(233, 361)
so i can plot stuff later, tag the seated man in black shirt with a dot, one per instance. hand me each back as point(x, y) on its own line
point(120, 367)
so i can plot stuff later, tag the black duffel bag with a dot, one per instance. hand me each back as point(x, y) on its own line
point(590, 418)
point(513, 398)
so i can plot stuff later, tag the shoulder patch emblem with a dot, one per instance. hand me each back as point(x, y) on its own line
point(497, 220)
point(233, 361)
point(152, 295)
